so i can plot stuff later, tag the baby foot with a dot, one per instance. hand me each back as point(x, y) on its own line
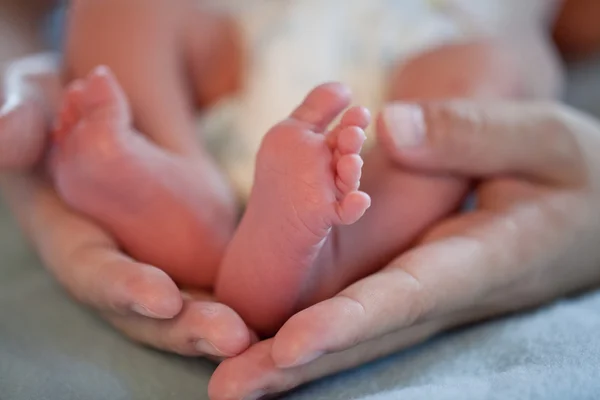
point(306, 185)
point(166, 210)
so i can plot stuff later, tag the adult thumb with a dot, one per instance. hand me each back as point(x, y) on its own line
point(537, 140)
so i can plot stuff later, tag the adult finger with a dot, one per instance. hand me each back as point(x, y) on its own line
point(202, 328)
point(388, 300)
point(31, 88)
point(489, 257)
point(84, 259)
point(541, 141)
point(253, 374)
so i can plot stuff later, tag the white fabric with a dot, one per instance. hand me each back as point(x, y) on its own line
point(296, 44)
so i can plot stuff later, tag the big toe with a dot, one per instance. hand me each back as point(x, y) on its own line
point(103, 96)
point(323, 105)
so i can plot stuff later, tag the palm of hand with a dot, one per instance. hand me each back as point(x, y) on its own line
point(536, 213)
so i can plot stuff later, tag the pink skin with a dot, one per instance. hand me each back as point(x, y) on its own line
point(404, 204)
point(290, 240)
point(168, 56)
point(306, 186)
point(138, 299)
point(315, 255)
point(265, 367)
point(157, 204)
point(297, 274)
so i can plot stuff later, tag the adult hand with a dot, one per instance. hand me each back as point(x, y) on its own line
point(139, 299)
point(532, 237)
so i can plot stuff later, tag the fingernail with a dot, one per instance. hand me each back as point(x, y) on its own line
point(140, 309)
point(186, 295)
point(166, 309)
point(405, 124)
point(206, 347)
point(303, 360)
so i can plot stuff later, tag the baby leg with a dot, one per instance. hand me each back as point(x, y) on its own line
point(144, 48)
point(168, 56)
point(214, 48)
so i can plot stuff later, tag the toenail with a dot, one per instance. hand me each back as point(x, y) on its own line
point(101, 70)
point(206, 347)
point(405, 124)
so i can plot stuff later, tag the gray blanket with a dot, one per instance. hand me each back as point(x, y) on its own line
point(52, 348)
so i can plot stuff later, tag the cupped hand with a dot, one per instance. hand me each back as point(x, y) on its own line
point(531, 238)
point(138, 299)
